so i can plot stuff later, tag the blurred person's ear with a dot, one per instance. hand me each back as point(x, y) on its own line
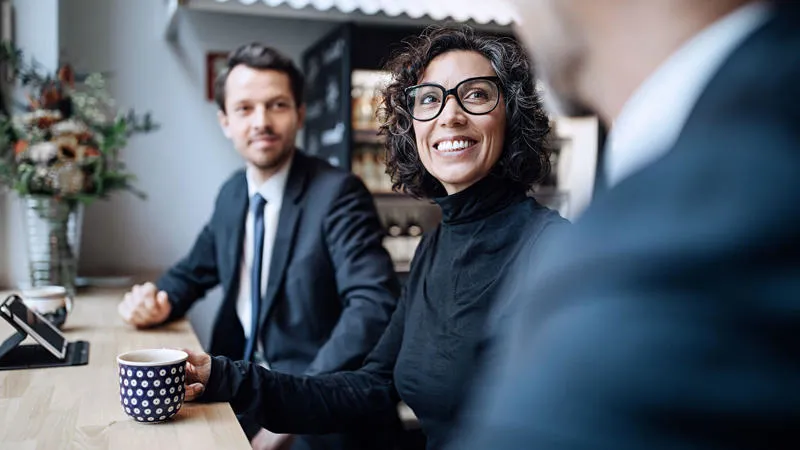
point(223, 122)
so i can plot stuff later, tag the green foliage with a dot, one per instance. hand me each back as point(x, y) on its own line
point(66, 141)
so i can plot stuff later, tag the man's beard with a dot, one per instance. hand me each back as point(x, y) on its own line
point(276, 162)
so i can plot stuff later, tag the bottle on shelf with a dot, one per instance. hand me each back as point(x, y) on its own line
point(394, 242)
point(386, 180)
point(393, 229)
point(362, 107)
point(366, 113)
point(375, 105)
point(414, 233)
point(379, 169)
point(414, 228)
point(367, 85)
point(355, 99)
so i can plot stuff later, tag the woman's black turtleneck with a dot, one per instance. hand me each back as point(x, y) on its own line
point(430, 351)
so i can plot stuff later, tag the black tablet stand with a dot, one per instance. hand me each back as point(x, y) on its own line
point(13, 341)
point(33, 356)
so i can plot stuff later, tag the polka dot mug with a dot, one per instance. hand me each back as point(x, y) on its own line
point(151, 383)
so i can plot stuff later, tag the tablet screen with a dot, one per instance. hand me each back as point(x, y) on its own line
point(36, 326)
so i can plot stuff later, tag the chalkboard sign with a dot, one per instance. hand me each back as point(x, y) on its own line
point(328, 108)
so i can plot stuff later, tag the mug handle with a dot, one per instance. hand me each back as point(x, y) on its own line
point(68, 300)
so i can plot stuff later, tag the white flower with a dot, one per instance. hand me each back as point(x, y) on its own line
point(43, 151)
point(34, 116)
point(69, 127)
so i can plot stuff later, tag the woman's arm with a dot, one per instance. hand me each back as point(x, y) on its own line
point(320, 404)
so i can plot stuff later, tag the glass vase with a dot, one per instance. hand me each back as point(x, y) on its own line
point(53, 234)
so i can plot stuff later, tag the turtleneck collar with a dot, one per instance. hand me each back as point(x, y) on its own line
point(482, 199)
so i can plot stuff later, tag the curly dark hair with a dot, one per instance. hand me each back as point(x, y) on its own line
point(525, 159)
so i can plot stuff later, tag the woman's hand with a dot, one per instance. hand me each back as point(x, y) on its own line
point(198, 370)
point(267, 440)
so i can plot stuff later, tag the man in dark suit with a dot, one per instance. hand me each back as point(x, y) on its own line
point(667, 317)
point(300, 234)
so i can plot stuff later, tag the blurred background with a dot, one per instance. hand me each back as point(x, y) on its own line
point(161, 55)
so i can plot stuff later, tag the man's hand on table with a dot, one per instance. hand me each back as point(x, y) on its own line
point(198, 370)
point(145, 306)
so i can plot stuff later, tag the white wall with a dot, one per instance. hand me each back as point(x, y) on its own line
point(4, 230)
point(36, 31)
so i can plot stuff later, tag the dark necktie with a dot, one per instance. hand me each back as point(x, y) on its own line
point(257, 204)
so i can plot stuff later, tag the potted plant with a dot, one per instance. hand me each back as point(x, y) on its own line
point(59, 151)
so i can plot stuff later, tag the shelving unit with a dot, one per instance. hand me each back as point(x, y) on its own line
point(367, 137)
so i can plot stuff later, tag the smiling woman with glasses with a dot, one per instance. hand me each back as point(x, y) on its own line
point(464, 127)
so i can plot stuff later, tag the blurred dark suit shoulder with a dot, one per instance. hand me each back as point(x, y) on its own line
point(668, 317)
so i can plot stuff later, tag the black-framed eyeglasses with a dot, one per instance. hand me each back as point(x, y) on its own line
point(476, 96)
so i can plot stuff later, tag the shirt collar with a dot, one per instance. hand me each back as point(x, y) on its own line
point(652, 118)
point(272, 189)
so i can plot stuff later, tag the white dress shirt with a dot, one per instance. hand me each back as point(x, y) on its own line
point(652, 118)
point(272, 191)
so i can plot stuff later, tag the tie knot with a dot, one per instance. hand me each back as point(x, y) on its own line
point(257, 203)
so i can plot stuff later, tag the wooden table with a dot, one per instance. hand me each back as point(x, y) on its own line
point(79, 407)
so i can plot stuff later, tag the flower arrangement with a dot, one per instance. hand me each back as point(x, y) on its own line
point(65, 142)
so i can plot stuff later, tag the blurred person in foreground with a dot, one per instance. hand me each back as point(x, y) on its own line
point(667, 317)
point(464, 127)
point(295, 243)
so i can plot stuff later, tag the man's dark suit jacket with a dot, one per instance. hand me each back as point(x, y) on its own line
point(669, 317)
point(332, 287)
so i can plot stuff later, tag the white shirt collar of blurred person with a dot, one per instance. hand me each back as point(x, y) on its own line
point(652, 118)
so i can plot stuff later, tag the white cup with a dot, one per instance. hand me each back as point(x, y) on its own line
point(52, 302)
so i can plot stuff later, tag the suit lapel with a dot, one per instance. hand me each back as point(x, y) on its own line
point(291, 211)
point(234, 230)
